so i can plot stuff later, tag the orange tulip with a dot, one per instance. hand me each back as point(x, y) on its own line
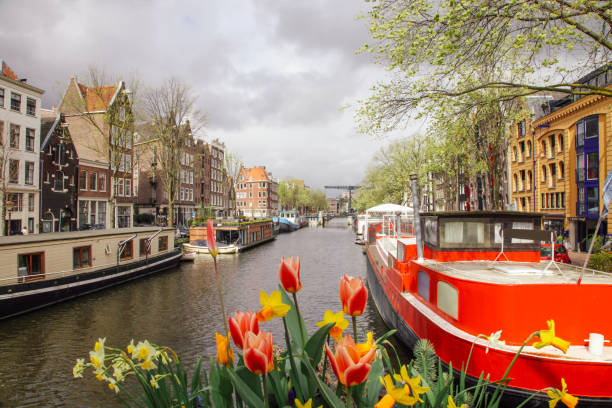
point(349, 368)
point(258, 352)
point(241, 323)
point(353, 295)
point(289, 274)
point(211, 239)
point(224, 351)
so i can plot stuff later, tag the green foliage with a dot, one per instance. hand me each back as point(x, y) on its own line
point(292, 195)
point(601, 261)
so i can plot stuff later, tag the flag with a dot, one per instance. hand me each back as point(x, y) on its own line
point(607, 194)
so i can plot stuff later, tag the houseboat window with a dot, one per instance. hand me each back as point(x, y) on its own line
point(458, 234)
point(431, 231)
point(522, 226)
point(81, 257)
point(423, 285)
point(127, 252)
point(143, 247)
point(34, 265)
point(448, 299)
point(163, 243)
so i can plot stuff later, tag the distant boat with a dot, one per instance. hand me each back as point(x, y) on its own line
point(232, 237)
point(291, 218)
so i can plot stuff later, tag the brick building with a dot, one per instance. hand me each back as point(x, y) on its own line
point(256, 193)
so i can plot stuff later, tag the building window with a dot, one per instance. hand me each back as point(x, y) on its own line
point(31, 202)
point(1, 97)
point(93, 181)
point(30, 140)
point(163, 243)
point(561, 143)
point(543, 174)
point(592, 166)
point(14, 202)
point(14, 136)
point(83, 213)
point(123, 217)
point(581, 201)
point(31, 106)
point(119, 187)
point(592, 200)
point(591, 127)
point(102, 182)
point(15, 102)
point(29, 173)
point(31, 225)
point(83, 180)
point(81, 257)
point(128, 187)
point(127, 252)
point(521, 128)
point(31, 266)
point(143, 247)
point(13, 171)
point(561, 170)
point(102, 213)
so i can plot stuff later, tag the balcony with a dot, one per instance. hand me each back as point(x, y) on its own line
point(579, 175)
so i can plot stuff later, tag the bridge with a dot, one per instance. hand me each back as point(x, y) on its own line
point(346, 188)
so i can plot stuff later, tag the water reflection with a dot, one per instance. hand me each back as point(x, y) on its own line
point(178, 308)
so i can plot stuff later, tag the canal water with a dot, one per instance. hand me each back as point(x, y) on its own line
point(177, 308)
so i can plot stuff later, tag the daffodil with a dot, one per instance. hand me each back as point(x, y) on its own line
point(451, 403)
point(561, 395)
point(364, 348)
point(146, 353)
point(307, 404)
point(407, 392)
point(340, 323)
point(494, 340)
point(120, 368)
point(112, 384)
point(548, 338)
point(97, 355)
point(79, 367)
point(272, 306)
point(153, 382)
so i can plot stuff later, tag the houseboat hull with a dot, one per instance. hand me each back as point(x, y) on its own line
point(589, 380)
point(231, 238)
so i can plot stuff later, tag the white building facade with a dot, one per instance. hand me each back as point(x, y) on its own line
point(20, 121)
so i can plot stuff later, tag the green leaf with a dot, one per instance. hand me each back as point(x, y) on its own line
point(216, 379)
point(332, 399)
point(293, 323)
point(314, 345)
point(373, 385)
point(246, 393)
point(251, 379)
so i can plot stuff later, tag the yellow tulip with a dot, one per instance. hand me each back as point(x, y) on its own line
point(223, 348)
point(272, 306)
point(451, 403)
point(340, 323)
point(561, 395)
point(548, 338)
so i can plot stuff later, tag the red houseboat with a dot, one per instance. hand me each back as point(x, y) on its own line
point(479, 272)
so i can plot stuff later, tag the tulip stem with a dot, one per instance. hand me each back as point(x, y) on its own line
point(297, 309)
point(221, 299)
point(348, 397)
point(325, 361)
point(297, 386)
point(265, 390)
point(355, 327)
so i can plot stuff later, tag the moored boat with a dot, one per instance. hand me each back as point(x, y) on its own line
point(232, 237)
point(43, 269)
point(480, 272)
point(291, 219)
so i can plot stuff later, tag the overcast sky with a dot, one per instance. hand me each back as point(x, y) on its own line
point(272, 75)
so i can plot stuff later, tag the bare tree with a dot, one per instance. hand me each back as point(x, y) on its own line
point(8, 172)
point(172, 114)
point(233, 165)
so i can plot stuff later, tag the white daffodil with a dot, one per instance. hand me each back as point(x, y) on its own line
point(494, 341)
point(97, 355)
point(120, 368)
point(79, 367)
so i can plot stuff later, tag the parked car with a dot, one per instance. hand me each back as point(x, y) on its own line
point(561, 254)
point(182, 231)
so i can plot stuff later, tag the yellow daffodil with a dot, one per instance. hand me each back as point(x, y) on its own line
point(130, 347)
point(408, 393)
point(97, 355)
point(364, 348)
point(120, 368)
point(112, 384)
point(223, 349)
point(561, 395)
point(307, 404)
point(272, 306)
point(340, 323)
point(451, 403)
point(153, 382)
point(548, 338)
point(79, 367)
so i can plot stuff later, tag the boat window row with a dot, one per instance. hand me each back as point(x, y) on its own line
point(447, 296)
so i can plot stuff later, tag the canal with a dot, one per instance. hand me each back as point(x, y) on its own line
point(177, 308)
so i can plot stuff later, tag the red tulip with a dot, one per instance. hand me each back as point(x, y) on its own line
point(211, 239)
point(353, 295)
point(258, 352)
point(241, 323)
point(289, 274)
point(348, 367)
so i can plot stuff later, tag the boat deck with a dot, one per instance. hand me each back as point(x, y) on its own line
point(501, 272)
